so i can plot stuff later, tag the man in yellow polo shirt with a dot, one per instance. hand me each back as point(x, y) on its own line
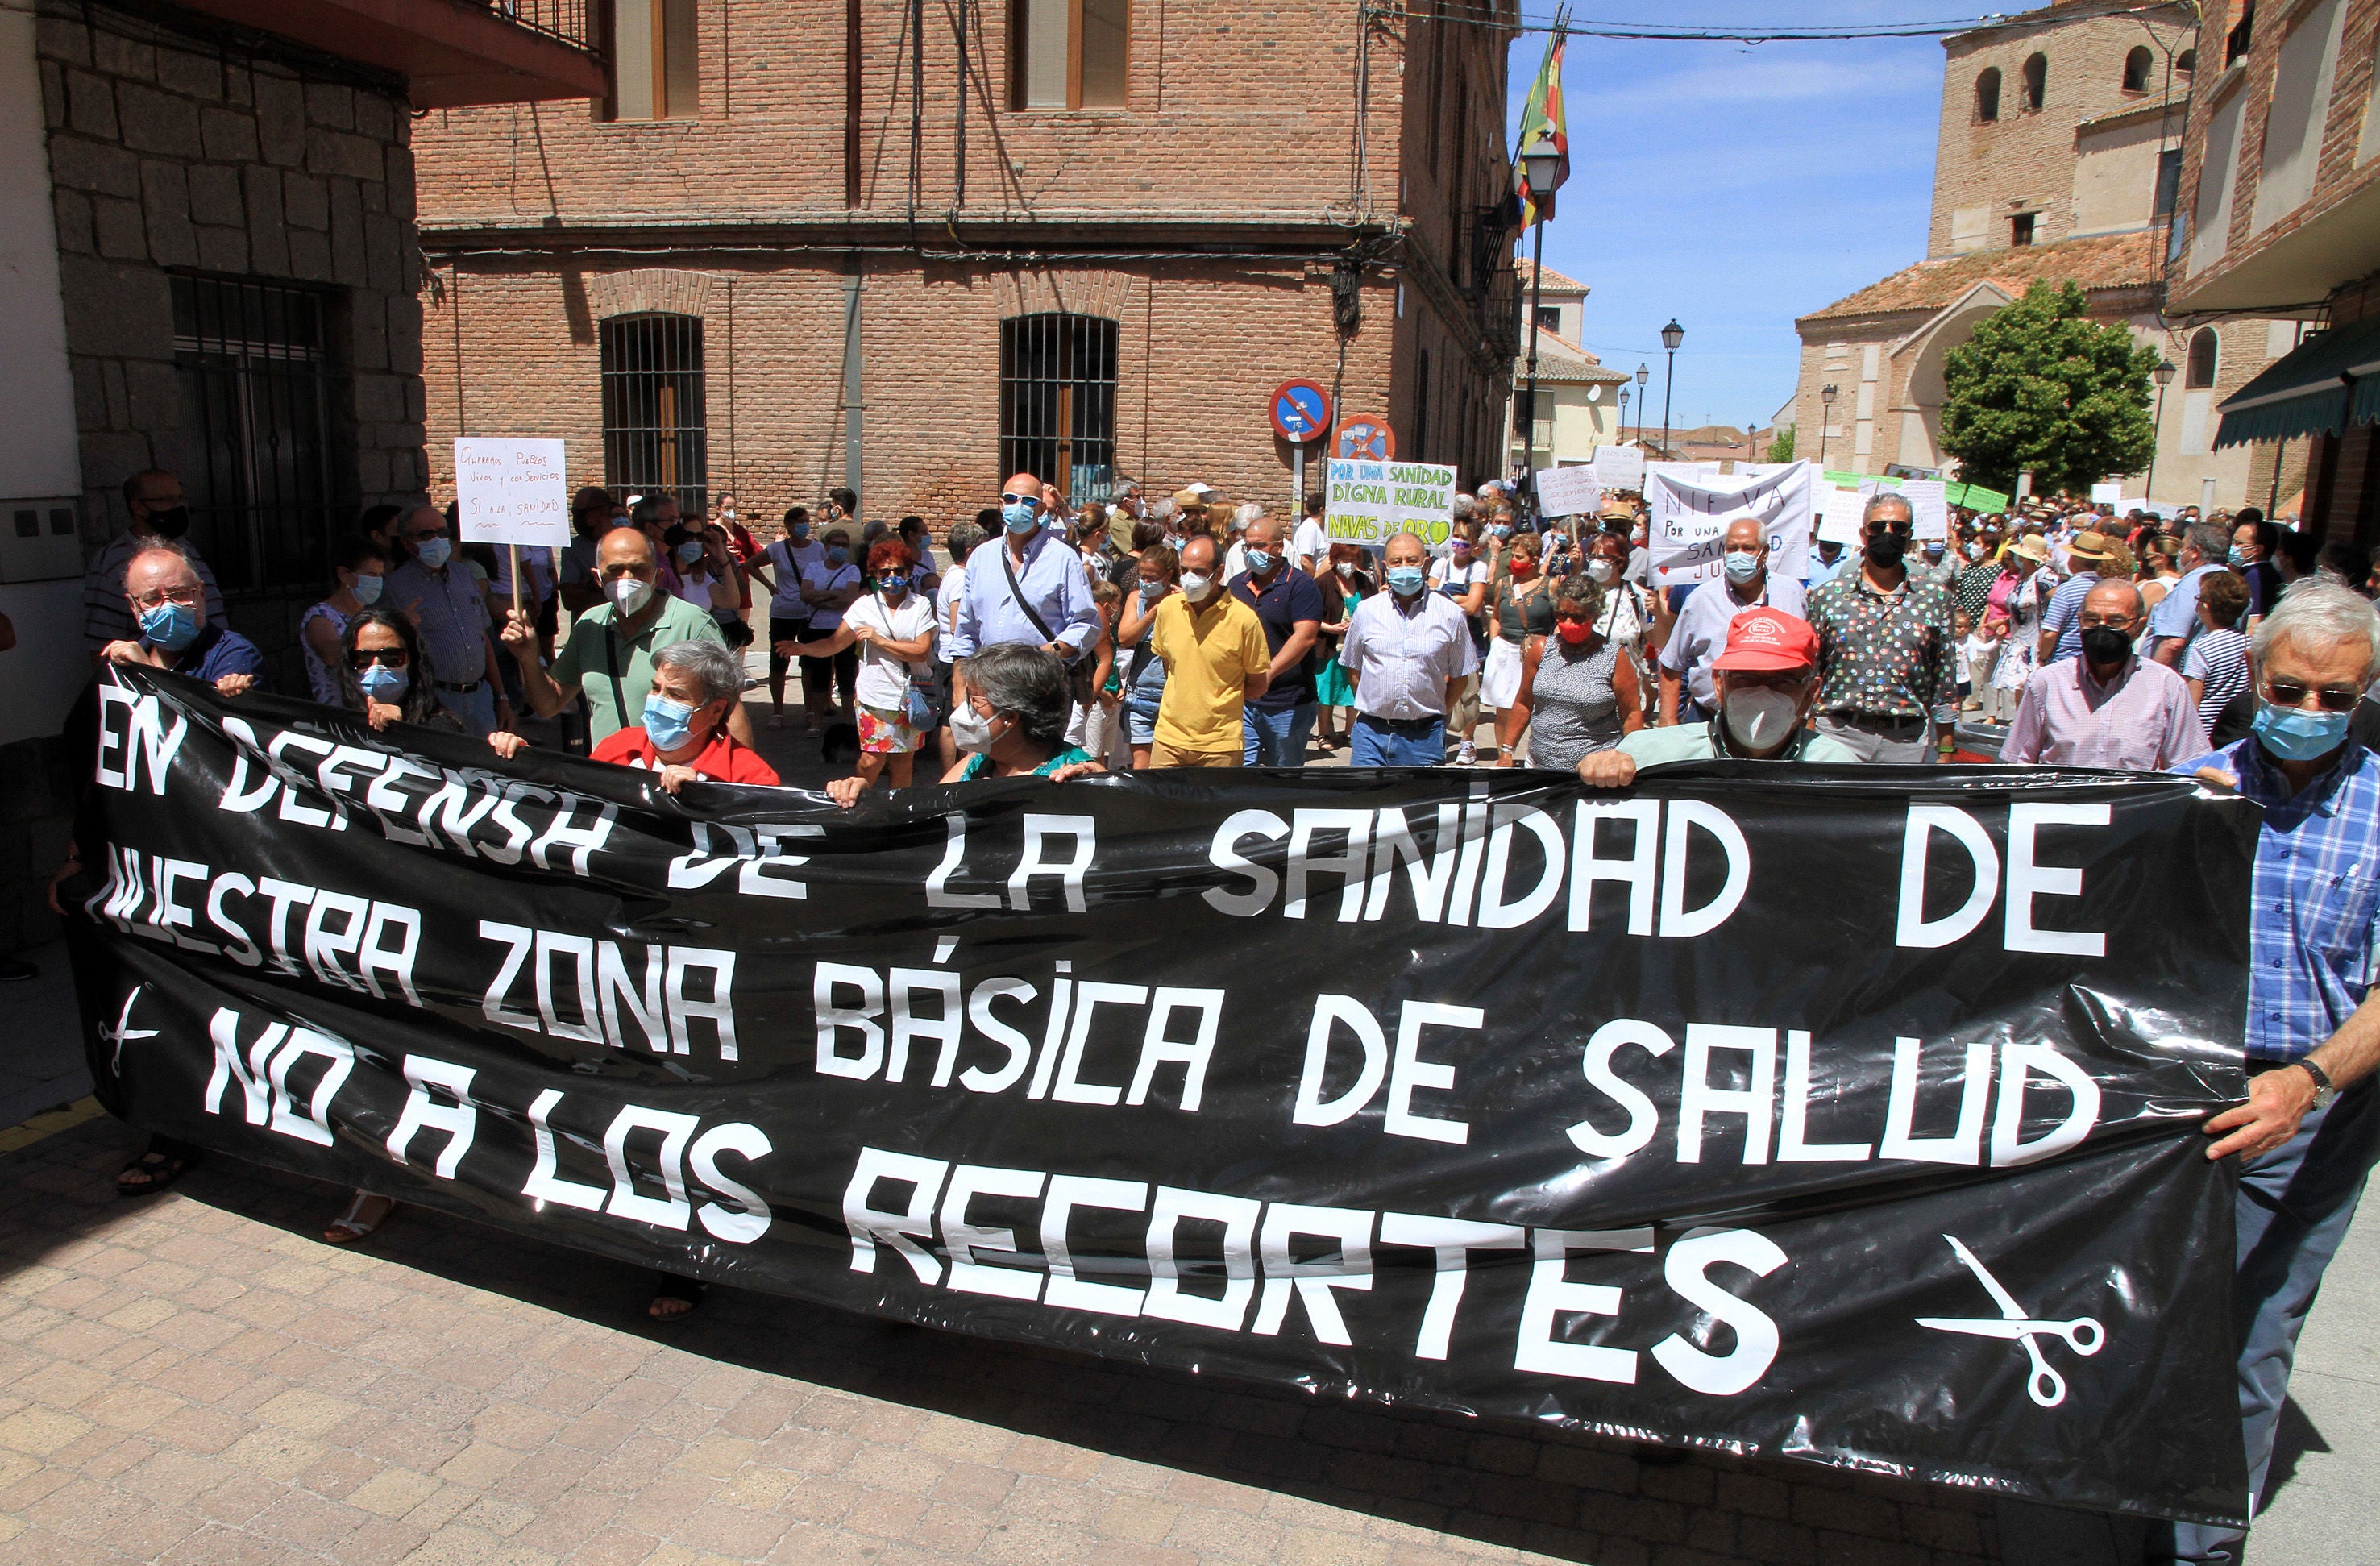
point(1216, 661)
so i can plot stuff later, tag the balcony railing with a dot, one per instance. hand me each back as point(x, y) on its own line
point(568, 21)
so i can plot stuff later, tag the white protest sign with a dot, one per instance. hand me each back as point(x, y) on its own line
point(2108, 494)
point(1372, 502)
point(1692, 514)
point(512, 491)
point(1620, 468)
point(1838, 516)
point(1568, 492)
point(1929, 503)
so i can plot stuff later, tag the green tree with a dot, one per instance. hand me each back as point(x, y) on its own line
point(1781, 448)
point(2041, 386)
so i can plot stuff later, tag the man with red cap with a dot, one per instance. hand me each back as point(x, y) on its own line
point(1762, 683)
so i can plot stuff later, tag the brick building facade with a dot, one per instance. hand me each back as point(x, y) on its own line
point(2058, 159)
point(807, 252)
point(2282, 214)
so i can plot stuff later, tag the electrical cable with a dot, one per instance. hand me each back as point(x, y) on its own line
point(1493, 17)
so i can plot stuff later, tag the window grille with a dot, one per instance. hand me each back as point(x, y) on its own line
point(654, 437)
point(254, 376)
point(1057, 402)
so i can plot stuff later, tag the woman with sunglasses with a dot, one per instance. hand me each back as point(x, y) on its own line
point(384, 673)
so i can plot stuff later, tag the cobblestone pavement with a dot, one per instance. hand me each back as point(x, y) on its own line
point(196, 1378)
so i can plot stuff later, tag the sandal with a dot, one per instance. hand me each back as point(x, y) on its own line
point(671, 1289)
point(353, 1224)
point(159, 1169)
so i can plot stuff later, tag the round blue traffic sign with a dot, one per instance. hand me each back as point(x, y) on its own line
point(1301, 411)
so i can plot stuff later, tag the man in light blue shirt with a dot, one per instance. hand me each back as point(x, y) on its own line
point(2173, 624)
point(1827, 562)
point(1031, 587)
point(1700, 634)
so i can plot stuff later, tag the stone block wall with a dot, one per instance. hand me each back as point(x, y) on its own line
point(179, 150)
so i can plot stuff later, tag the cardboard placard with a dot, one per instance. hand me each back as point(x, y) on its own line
point(1372, 502)
point(1568, 492)
point(512, 491)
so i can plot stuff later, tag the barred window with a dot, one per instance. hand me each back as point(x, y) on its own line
point(254, 375)
point(1057, 402)
point(654, 440)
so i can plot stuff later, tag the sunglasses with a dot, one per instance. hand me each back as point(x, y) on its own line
point(2288, 693)
point(386, 657)
point(1007, 499)
point(1878, 530)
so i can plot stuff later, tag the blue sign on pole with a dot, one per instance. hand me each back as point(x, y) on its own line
point(1301, 411)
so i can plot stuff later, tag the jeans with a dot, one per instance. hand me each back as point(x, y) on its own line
point(1383, 741)
point(2294, 1206)
point(477, 709)
point(1277, 738)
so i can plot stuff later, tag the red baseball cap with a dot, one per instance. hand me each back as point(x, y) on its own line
point(1768, 638)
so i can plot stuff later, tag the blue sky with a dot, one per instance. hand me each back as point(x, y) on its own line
point(1735, 187)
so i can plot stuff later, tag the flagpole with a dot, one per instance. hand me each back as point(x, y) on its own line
point(1536, 292)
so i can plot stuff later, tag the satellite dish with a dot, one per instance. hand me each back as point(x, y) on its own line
point(1595, 394)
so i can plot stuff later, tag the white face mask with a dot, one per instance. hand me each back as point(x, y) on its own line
point(1345, 568)
point(1759, 717)
point(970, 728)
point(1195, 584)
point(629, 595)
point(1601, 570)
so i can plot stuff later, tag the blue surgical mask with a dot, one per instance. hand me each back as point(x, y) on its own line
point(1020, 516)
point(801, 531)
point(689, 552)
point(433, 553)
point(1743, 565)
point(170, 626)
point(1499, 531)
point(384, 684)
point(2295, 734)
point(367, 591)
point(1151, 591)
point(2238, 557)
point(1406, 580)
point(1259, 561)
point(838, 556)
point(667, 723)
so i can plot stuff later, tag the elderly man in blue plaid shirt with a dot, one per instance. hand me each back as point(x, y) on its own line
point(2310, 1129)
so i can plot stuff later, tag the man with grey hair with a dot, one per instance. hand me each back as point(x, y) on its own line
point(451, 609)
point(2105, 706)
point(2308, 1131)
point(695, 685)
point(2174, 623)
point(1887, 658)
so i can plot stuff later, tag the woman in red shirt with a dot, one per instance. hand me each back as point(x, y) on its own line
point(695, 685)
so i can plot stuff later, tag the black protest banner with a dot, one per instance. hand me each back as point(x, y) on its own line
point(1841, 1114)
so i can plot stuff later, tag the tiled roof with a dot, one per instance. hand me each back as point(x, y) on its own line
point(2112, 260)
point(1553, 279)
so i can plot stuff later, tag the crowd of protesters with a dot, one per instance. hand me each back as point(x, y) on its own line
point(1050, 639)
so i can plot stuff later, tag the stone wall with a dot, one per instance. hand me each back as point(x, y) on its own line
point(188, 149)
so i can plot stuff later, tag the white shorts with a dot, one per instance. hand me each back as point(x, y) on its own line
point(1499, 683)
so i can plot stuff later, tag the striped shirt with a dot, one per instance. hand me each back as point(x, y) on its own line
point(2220, 659)
point(105, 616)
point(2065, 615)
point(2316, 895)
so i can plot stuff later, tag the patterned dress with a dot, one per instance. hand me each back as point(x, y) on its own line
point(321, 680)
point(1575, 710)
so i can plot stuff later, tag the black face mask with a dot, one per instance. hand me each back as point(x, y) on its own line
point(1885, 550)
point(2105, 644)
point(170, 523)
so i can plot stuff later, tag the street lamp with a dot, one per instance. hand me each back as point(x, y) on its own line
point(1624, 410)
point(1671, 336)
point(1826, 395)
point(2163, 375)
point(1642, 375)
point(1541, 166)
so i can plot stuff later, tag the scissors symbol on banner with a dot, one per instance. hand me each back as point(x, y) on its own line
point(124, 1030)
point(2046, 1387)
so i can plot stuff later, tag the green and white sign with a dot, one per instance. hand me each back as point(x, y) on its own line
point(1372, 502)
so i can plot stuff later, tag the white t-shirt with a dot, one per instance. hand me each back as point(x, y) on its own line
point(1235, 561)
point(884, 679)
point(1463, 578)
point(1311, 546)
point(823, 578)
point(946, 603)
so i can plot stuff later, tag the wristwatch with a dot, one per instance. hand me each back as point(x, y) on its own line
point(2325, 1090)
